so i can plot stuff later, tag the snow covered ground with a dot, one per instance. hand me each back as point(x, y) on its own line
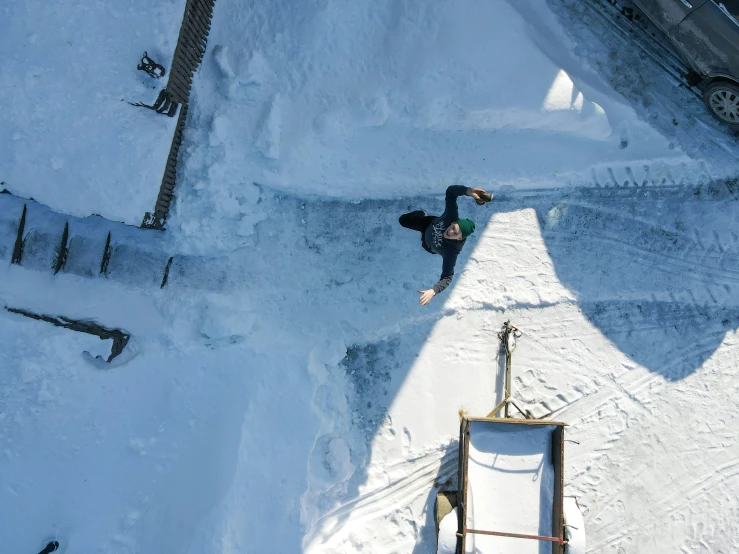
point(69, 137)
point(284, 392)
point(332, 414)
point(412, 97)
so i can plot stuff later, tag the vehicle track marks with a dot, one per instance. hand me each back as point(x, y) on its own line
point(669, 505)
point(416, 477)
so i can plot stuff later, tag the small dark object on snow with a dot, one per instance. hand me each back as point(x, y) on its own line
point(151, 67)
point(163, 104)
point(485, 197)
point(51, 547)
point(18, 247)
point(120, 338)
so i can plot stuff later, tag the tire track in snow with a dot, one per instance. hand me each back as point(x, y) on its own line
point(629, 415)
point(624, 177)
point(418, 477)
point(532, 386)
point(702, 486)
point(668, 505)
point(665, 251)
point(662, 261)
point(630, 387)
point(678, 498)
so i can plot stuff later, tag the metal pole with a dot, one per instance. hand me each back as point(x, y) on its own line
point(508, 336)
point(515, 535)
point(507, 379)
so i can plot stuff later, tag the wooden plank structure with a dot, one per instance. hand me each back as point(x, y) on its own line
point(459, 499)
point(557, 538)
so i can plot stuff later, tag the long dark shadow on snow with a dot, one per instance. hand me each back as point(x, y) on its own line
point(654, 270)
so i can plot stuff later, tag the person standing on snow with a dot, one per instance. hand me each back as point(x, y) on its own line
point(444, 235)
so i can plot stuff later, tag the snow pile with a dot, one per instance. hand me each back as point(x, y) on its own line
point(69, 137)
point(379, 100)
point(447, 543)
point(105, 457)
point(575, 532)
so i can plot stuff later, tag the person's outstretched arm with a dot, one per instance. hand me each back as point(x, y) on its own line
point(451, 210)
point(447, 274)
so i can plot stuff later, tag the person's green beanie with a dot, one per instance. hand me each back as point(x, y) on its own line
point(467, 226)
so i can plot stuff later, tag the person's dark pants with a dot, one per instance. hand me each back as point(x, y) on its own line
point(418, 221)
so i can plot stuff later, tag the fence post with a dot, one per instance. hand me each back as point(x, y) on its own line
point(18, 248)
point(106, 258)
point(62, 250)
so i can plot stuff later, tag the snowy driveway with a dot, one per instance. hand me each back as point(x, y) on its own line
point(629, 321)
point(285, 392)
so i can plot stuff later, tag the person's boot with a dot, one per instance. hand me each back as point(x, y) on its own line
point(51, 547)
point(407, 220)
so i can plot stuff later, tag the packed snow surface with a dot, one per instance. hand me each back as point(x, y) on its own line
point(510, 486)
point(285, 392)
point(333, 414)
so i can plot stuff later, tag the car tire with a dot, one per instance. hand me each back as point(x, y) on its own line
point(722, 100)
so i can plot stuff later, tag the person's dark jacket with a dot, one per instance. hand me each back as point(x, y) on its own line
point(437, 244)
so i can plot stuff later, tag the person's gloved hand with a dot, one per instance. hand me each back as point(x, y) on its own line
point(480, 196)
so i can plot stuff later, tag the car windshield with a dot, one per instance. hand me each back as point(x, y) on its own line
point(730, 8)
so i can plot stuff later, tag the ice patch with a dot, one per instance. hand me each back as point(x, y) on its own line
point(225, 326)
point(220, 56)
point(258, 70)
point(339, 460)
point(219, 130)
point(269, 130)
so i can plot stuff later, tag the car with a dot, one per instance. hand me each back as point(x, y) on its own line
point(706, 33)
